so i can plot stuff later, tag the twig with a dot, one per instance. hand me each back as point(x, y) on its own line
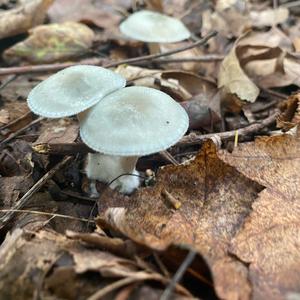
point(196, 139)
point(9, 80)
point(175, 203)
point(12, 136)
point(23, 201)
point(204, 58)
point(167, 53)
point(35, 212)
point(59, 66)
point(62, 148)
point(161, 265)
point(115, 285)
point(166, 155)
point(178, 275)
point(291, 4)
point(14, 122)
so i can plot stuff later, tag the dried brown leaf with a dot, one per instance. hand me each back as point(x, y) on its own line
point(61, 131)
point(20, 19)
point(52, 42)
point(233, 81)
point(290, 116)
point(269, 17)
point(102, 14)
point(269, 240)
point(24, 259)
point(215, 200)
point(4, 117)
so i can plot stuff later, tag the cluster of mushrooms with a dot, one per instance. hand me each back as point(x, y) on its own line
point(119, 123)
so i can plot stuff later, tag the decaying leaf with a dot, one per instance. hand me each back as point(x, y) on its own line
point(102, 14)
point(269, 241)
point(272, 38)
point(27, 15)
point(24, 260)
point(269, 17)
point(16, 159)
point(11, 188)
point(234, 83)
point(215, 200)
point(58, 131)
point(291, 113)
point(53, 42)
point(4, 117)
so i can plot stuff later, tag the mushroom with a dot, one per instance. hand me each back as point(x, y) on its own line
point(73, 90)
point(153, 27)
point(126, 124)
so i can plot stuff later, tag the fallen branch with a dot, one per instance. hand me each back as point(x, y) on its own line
point(193, 139)
point(59, 66)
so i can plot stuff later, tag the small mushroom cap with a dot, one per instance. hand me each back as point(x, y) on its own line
point(73, 90)
point(134, 121)
point(153, 27)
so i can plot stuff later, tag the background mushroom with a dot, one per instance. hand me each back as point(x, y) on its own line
point(126, 124)
point(73, 90)
point(153, 27)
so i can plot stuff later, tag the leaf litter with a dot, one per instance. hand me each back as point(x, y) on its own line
point(233, 199)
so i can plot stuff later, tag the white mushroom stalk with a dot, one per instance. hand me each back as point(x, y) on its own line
point(126, 124)
point(113, 170)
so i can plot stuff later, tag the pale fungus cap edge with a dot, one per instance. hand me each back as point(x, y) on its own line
point(153, 27)
point(73, 90)
point(136, 134)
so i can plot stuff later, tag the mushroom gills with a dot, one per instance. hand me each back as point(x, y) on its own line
point(109, 168)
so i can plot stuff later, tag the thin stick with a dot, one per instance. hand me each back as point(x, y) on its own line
point(35, 212)
point(196, 139)
point(15, 134)
point(167, 53)
point(291, 4)
point(13, 122)
point(62, 148)
point(59, 66)
point(204, 58)
point(178, 275)
point(37, 186)
point(111, 287)
point(166, 155)
point(9, 80)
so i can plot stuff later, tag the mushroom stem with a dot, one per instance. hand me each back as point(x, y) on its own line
point(108, 168)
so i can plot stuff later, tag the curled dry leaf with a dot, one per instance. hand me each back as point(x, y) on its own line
point(271, 38)
point(4, 117)
point(52, 42)
point(269, 241)
point(269, 17)
point(236, 87)
point(20, 19)
point(290, 116)
point(215, 200)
